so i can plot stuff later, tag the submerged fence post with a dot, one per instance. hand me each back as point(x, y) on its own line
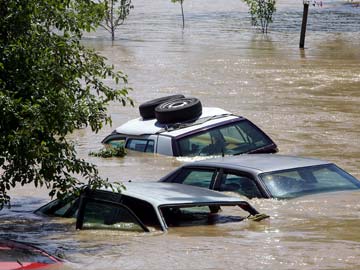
point(304, 22)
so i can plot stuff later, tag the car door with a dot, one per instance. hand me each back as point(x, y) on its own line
point(239, 182)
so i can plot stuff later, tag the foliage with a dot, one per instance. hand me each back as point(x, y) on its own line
point(116, 151)
point(50, 85)
point(182, 11)
point(261, 12)
point(116, 12)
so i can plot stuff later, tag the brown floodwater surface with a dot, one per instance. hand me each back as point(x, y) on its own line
point(307, 100)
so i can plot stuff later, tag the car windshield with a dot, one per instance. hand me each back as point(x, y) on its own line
point(308, 180)
point(236, 138)
point(29, 254)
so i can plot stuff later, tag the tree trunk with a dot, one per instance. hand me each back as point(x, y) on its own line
point(112, 21)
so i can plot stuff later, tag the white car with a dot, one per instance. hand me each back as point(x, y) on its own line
point(182, 127)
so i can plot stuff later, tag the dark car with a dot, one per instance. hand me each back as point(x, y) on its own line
point(265, 176)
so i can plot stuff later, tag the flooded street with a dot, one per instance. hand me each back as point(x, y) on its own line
point(306, 100)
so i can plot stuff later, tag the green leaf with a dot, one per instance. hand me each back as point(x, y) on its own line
point(60, 88)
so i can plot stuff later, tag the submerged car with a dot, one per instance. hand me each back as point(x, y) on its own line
point(179, 126)
point(18, 255)
point(265, 176)
point(147, 206)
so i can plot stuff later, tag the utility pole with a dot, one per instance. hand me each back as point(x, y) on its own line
point(304, 22)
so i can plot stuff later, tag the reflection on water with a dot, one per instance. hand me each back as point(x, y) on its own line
point(307, 100)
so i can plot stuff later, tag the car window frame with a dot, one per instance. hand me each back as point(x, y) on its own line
point(52, 207)
point(215, 170)
point(114, 136)
point(147, 140)
point(81, 211)
point(224, 171)
point(265, 148)
point(243, 205)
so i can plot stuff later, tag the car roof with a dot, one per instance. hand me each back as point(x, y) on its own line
point(139, 126)
point(259, 163)
point(161, 194)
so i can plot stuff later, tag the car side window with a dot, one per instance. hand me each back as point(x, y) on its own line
point(234, 138)
point(243, 185)
point(195, 177)
point(150, 147)
point(191, 146)
point(140, 145)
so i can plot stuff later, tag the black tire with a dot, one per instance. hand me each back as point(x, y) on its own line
point(178, 110)
point(147, 109)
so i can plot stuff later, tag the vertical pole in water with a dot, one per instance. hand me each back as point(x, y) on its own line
point(304, 22)
point(182, 13)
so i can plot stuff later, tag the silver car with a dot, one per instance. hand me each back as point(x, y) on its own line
point(265, 176)
point(148, 206)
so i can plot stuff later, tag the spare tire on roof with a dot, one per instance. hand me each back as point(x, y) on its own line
point(178, 110)
point(147, 109)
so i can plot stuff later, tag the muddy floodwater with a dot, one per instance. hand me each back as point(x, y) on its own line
point(307, 100)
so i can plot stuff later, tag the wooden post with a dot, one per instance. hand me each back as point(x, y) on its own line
point(182, 13)
point(303, 26)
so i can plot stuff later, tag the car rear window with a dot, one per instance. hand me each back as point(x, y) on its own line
point(117, 142)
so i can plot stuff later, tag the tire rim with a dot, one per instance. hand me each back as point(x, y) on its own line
point(177, 104)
